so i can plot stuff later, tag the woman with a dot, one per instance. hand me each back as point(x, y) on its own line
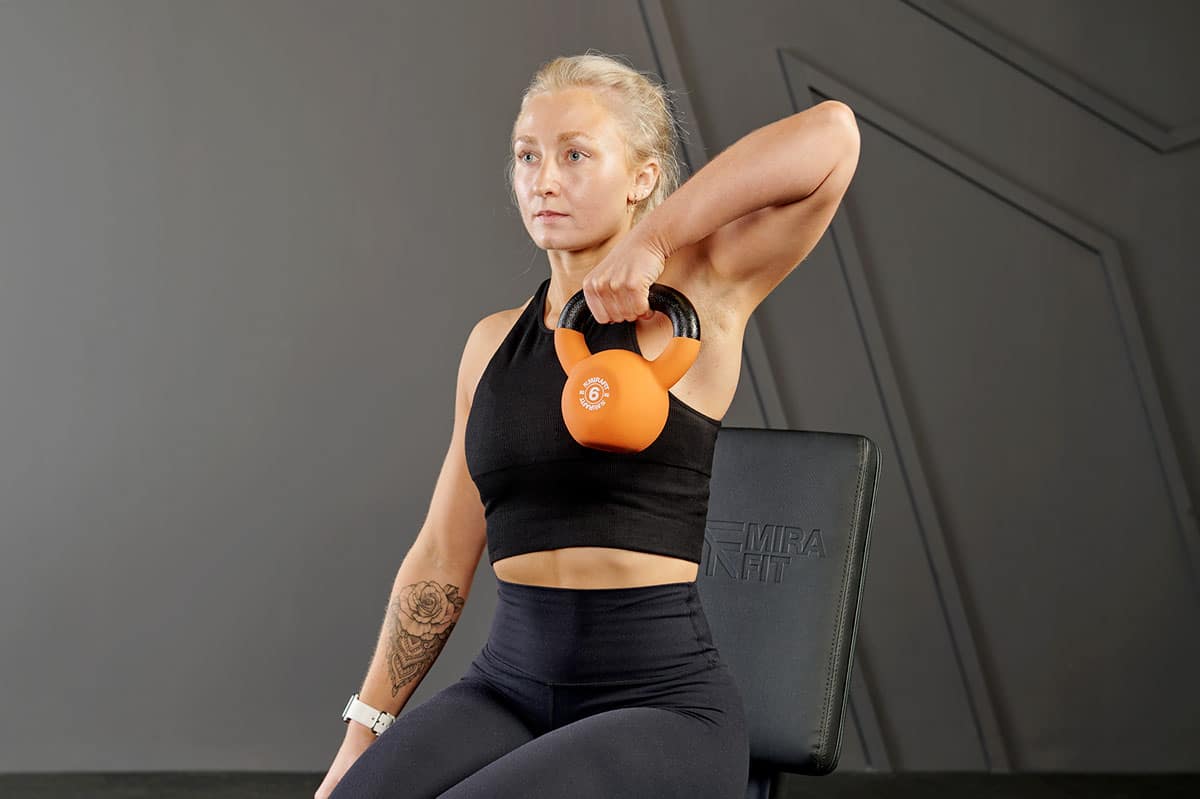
point(599, 677)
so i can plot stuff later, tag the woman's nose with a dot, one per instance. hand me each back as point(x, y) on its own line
point(546, 179)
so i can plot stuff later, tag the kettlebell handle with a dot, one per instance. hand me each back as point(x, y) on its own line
point(685, 322)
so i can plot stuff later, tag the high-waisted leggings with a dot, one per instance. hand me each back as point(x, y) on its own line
point(603, 692)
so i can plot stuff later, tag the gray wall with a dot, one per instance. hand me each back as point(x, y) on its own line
point(232, 301)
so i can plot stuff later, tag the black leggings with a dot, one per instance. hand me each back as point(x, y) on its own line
point(604, 692)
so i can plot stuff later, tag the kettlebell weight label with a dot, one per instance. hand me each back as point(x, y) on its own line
point(595, 393)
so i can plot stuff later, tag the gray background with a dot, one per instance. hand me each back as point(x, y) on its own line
point(242, 245)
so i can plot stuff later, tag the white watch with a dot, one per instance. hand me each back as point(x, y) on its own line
point(375, 720)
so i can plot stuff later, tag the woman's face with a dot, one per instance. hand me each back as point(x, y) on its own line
point(569, 157)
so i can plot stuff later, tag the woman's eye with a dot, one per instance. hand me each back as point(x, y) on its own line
point(574, 152)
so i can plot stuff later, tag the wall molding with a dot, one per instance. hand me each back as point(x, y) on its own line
point(813, 86)
point(1058, 80)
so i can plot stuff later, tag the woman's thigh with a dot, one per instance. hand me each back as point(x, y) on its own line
point(625, 752)
point(434, 745)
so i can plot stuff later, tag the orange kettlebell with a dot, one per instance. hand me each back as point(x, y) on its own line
point(617, 400)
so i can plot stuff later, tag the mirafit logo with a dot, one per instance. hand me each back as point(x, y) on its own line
point(595, 393)
point(757, 551)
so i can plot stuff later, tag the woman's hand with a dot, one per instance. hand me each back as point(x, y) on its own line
point(618, 288)
point(357, 739)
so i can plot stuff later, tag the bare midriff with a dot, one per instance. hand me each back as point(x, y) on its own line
point(594, 567)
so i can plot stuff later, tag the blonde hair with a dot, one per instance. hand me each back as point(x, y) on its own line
point(640, 104)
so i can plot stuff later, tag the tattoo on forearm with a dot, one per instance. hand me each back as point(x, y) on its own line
point(420, 620)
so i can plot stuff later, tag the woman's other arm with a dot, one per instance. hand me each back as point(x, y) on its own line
point(434, 579)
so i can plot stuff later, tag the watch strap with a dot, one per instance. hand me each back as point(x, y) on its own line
point(372, 718)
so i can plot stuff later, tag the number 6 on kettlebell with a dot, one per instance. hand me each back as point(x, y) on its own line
point(617, 400)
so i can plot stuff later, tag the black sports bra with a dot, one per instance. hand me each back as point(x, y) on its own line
point(542, 490)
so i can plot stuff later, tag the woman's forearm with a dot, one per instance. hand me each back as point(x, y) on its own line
point(426, 601)
point(776, 164)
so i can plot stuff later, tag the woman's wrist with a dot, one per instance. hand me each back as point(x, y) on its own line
point(359, 732)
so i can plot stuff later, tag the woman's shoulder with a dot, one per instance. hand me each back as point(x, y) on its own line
point(493, 327)
point(486, 337)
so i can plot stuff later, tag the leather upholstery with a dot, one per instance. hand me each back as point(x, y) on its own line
point(781, 579)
